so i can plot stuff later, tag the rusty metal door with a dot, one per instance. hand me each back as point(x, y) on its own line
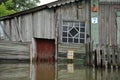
point(45, 50)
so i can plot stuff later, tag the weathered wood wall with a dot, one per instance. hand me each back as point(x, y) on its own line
point(44, 24)
point(14, 51)
point(39, 24)
point(107, 24)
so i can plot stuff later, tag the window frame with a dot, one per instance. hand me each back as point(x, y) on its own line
point(68, 31)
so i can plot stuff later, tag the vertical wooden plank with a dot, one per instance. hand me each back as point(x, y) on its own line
point(87, 20)
point(105, 62)
point(28, 27)
point(103, 55)
point(20, 28)
point(107, 23)
point(69, 11)
point(34, 51)
point(113, 29)
point(56, 21)
point(35, 29)
point(101, 10)
point(5, 34)
point(118, 30)
point(110, 26)
point(7, 28)
point(16, 25)
point(15, 36)
point(23, 27)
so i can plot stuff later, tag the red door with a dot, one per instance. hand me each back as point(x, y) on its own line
point(45, 49)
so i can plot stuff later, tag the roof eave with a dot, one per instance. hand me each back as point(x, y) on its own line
point(32, 10)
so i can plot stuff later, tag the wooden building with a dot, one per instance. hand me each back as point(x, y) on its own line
point(54, 28)
point(107, 52)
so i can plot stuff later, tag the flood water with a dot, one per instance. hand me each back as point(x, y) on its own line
point(47, 71)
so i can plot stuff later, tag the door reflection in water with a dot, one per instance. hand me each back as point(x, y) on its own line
point(47, 71)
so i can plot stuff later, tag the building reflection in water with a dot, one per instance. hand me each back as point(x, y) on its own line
point(47, 71)
point(78, 72)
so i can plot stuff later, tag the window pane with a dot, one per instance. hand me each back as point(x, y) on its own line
point(70, 40)
point(69, 35)
point(75, 40)
point(81, 40)
point(73, 32)
point(82, 24)
point(82, 35)
point(64, 28)
point(70, 27)
point(82, 29)
point(77, 28)
point(64, 39)
point(77, 36)
point(64, 34)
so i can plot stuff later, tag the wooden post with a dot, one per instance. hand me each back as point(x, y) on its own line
point(118, 51)
point(101, 57)
point(88, 59)
point(105, 57)
point(116, 56)
point(92, 54)
point(98, 56)
point(95, 60)
point(30, 53)
point(34, 55)
point(108, 55)
point(113, 56)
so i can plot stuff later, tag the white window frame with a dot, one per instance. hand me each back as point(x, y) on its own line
point(74, 36)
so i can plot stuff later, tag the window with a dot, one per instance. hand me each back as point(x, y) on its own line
point(73, 32)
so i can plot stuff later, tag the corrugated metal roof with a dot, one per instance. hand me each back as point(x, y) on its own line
point(109, 1)
point(62, 2)
point(49, 5)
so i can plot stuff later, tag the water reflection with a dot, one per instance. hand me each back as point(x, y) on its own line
point(78, 72)
point(47, 71)
point(14, 72)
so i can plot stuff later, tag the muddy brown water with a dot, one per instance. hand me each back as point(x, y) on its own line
point(47, 71)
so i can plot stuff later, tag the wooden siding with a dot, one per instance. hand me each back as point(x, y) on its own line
point(118, 30)
point(40, 24)
point(14, 50)
point(44, 24)
point(76, 48)
point(25, 27)
point(107, 24)
point(94, 26)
